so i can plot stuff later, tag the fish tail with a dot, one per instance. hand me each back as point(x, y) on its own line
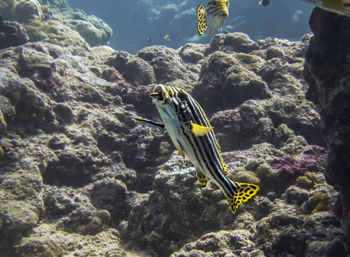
point(244, 193)
point(201, 20)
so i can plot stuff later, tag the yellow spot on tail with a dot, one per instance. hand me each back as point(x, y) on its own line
point(245, 192)
point(203, 180)
point(201, 20)
point(199, 130)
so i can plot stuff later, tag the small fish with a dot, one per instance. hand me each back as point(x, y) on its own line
point(148, 40)
point(213, 16)
point(150, 123)
point(264, 2)
point(167, 37)
point(193, 137)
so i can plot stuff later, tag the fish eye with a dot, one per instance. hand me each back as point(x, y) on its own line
point(157, 90)
point(181, 95)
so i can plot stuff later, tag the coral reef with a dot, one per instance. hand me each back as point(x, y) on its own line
point(25, 10)
point(327, 70)
point(79, 177)
point(54, 22)
point(92, 29)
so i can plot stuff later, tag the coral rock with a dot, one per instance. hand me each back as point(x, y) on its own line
point(327, 72)
point(92, 29)
point(164, 59)
point(238, 42)
point(223, 243)
point(241, 85)
point(192, 53)
point(317, 203)
point(139, 72)
point(12, 34)
point(55, 32)
point(25, 10)
point(38, 247)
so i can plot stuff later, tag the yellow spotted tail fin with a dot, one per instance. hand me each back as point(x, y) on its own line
point(245, 192)
point(201, 20)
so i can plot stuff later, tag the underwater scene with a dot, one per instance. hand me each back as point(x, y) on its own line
point(194, 128)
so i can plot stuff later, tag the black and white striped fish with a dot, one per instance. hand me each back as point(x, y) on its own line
point(213, 16)
point(193, 137)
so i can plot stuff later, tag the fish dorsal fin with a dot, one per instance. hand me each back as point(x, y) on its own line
point(199, 130)
point(201, 20)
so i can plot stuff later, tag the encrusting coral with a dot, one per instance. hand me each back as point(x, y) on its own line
point(80, 177)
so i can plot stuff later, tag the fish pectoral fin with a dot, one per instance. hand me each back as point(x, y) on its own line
point(203, 180)
point(201, 20)
point(150, 123)
point(244, 193)
point(138, 118)
point(199, 130)
point(179, 149)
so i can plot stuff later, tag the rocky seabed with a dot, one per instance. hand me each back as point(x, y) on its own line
point(79, 177)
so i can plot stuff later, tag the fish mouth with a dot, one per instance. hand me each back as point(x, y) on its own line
point(223, 14)
point(156, 96)
point(159, 95)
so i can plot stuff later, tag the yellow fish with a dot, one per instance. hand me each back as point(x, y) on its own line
point(213, 16)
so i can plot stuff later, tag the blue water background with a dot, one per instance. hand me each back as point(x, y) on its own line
point(140, 23)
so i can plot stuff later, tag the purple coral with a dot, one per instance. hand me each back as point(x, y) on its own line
point(313, 158)
point(45, 79)
point(287, 166)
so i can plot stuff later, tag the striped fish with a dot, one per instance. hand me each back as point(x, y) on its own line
point(213, 16)
point(193, 137)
